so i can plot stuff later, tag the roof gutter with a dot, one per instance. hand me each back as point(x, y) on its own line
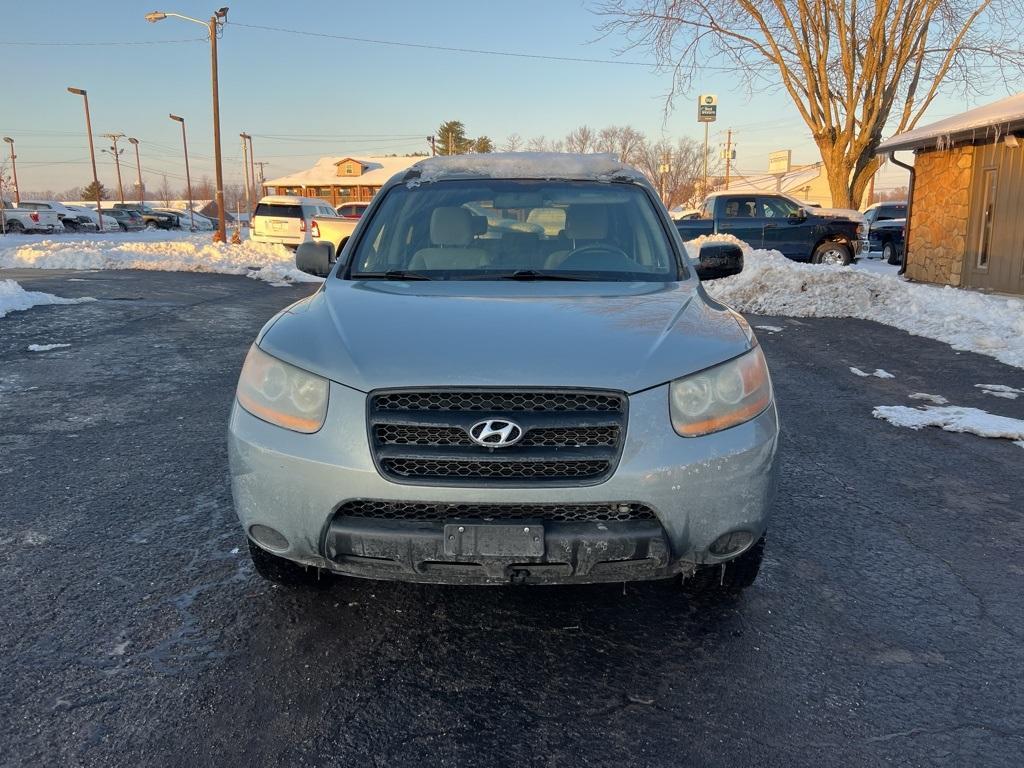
point(910, 209)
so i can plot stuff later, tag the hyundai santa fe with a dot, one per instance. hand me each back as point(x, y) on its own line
point(510, 375)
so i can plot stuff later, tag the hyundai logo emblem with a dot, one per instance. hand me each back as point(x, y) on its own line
point(496, 433)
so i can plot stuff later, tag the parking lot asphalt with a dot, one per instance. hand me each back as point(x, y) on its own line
point(886, 628)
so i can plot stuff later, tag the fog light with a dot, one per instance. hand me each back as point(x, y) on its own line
point(268, 538)
point(731, 542)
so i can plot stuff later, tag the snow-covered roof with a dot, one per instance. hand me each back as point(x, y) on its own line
point(527, 165)
point(325, 173)
point(988, 123)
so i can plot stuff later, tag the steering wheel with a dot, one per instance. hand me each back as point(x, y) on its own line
point(596, 248)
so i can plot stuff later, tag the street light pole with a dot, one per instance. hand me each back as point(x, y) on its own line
point(188, 176)
point(252, 173)
point(14, 170)
point(245, 169)
point(92, 150)
point(138, 171)
point(212, 26)
point(117, 160)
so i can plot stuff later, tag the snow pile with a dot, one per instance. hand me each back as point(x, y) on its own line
point(1000, 390)
point(14, 298)
point(878, 373)
point(937, 399)
point(952, 418)
point(526, 165)
point(188, 253)
point(771, 284)
point(45, 347)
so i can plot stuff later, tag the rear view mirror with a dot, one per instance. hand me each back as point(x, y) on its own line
point(798, 215)
point(719, 260)
point(314, 258)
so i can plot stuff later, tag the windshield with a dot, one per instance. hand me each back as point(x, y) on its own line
point(499, 229)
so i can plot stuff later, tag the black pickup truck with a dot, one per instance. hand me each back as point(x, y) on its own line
point(780, 223)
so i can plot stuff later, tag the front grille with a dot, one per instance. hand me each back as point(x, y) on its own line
point(572, 437)
point(433, 513)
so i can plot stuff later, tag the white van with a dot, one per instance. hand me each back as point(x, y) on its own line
point(287, 219)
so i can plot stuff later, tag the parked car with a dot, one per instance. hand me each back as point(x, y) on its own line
point(287, 219)
point(109, 223)
point(152, 219)
point(127, 220)
point(887, 223)
point(17, 220)
point(334, 230)
point(780, 223)
point(201, 222)
point(71, 221)
point(554, 409)
point(352, 210)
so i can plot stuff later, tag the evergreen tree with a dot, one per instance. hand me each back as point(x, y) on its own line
point(452, 140)
point(483, 144)
point(89, 191)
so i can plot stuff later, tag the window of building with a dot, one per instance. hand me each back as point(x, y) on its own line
point(988, 205)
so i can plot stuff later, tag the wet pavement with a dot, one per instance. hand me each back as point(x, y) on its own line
point(886, 628)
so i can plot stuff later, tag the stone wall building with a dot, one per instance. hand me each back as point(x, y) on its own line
point(966, 213)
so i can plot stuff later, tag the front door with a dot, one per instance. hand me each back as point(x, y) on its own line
point(785, 230)
point(741, 217)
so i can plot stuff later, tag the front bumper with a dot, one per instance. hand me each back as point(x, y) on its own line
point(698, 488)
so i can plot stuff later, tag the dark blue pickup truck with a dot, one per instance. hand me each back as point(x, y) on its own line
point(780, 223)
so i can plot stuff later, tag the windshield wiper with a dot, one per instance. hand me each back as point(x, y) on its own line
point(391, 274)
point(528, 274)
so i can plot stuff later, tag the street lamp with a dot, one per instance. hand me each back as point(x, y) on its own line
point(213, 26)
point(138, 171)
point(92, 151)
point(14, 170)
point(252, 173)
point(188, 176)
point(245, 170)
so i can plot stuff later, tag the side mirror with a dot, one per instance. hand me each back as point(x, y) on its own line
point(798, 216)
point(719, 260)
point(314, 258)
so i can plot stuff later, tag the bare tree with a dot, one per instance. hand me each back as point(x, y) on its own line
point(580, 140)
point(164, 191)
point(675, 170)
point(622, 140)
point(537, 144)
point(851, 69)
point(513, 143)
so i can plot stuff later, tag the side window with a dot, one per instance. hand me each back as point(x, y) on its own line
point(739, 208)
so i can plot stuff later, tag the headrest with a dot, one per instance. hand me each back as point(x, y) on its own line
point(479, 225)
point(586, 222)
point(451, 226)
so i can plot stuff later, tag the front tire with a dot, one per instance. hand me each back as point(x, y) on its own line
point(832, 254)
point(728, 579)
point(285, 572)
point(152, 225)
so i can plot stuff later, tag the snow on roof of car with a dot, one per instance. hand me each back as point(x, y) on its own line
point(990, 122)
point(527, 165)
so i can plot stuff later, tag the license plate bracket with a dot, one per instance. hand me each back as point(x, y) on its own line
point(493, 540)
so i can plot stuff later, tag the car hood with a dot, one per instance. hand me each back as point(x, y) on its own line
point(623, 336)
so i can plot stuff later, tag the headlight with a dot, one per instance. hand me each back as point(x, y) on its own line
point(282, 394)
point(720, 397)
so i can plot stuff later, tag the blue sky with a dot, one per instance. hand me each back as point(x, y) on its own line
point(374, 98)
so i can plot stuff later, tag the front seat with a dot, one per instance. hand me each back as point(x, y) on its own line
point(451, 232)
point(584, 224)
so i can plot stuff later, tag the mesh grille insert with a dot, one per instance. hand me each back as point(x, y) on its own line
point(498, 401)
point(495, 469)
point(429, 512)
point(555, 437)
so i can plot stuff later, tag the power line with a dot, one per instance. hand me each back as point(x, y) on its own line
point(449, 49)
point(33, 43)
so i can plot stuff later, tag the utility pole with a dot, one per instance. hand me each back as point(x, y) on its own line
point(138, 171)
point(728, 156)
point(245, 169)
point(261, 164)
point(14, 170)
point(92, 150)
point(433, 145)
point(117, 160)
point(252, 173)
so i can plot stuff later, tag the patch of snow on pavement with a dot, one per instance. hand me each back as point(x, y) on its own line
point(771, 284)
point(45, 347)
point(1000, 390)
point(14, 298)
point(769, 328)
point(878, 373)
point(936, 399)
point(952, 418)
point(163, 251)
